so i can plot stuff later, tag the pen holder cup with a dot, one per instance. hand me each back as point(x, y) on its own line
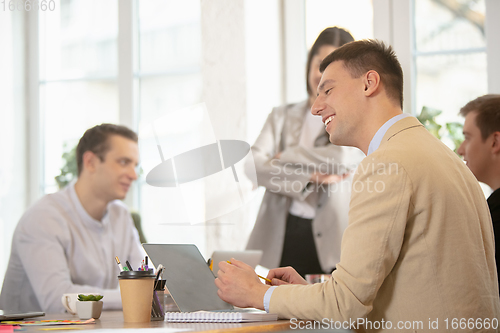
point(136, 289)
point(158, 308)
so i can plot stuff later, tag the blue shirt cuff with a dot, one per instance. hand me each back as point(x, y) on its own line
point(267, 297)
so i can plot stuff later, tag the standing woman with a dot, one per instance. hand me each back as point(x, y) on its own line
point(308, 180)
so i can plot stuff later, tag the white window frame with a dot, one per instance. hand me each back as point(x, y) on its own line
point(127, 112)
point(35, 127)
point(294, 50)
point(492, 27)
point(392, 22)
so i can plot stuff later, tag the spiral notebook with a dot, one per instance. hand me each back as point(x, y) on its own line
point(218, 317)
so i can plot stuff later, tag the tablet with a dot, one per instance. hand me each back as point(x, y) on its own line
point(249, 257)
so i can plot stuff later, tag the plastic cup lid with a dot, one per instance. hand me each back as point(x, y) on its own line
point(136, 274)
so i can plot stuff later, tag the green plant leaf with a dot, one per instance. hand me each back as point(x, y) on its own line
point(69, 171)
point(434, 128)
point(428, 114)
point(455, 131)
point(89, 298)
point(427, 118)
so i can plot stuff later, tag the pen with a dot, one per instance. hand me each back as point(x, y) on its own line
point(268, 280)
point(119, 264)
point(210, 263)
point(129, 266)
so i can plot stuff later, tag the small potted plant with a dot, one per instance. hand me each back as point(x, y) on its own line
point(89, 306)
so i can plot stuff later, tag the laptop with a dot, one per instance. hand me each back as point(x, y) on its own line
point(189, 279)
point(7, 315)
point(249, 257)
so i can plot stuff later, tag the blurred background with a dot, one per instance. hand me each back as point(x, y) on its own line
point(67, 65)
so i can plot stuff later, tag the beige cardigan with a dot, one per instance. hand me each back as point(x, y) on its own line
point(419, 244)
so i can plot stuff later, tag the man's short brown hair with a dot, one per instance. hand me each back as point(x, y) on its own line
point(96, 140)
point(488, 113)
point(361, 56)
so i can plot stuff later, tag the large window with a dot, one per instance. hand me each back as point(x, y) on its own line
point(169, 79)
point(356, 16)
point(78, 52)
point(449, 55)
point(78, 76)
point(82, 74)
point(168, 56)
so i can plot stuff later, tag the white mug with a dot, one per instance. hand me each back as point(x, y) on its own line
point(69, 302)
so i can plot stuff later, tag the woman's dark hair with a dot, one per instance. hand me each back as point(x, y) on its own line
point(333, 36)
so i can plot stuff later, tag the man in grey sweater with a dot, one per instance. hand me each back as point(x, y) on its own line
point(67, 241)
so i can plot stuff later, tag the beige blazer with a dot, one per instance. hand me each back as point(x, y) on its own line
point(419, 244)
point(286, 179)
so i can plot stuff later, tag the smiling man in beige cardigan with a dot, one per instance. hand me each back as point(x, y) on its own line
point(418, 253)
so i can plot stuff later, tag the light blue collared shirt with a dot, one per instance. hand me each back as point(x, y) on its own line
point(267, 297)
point(377, 138)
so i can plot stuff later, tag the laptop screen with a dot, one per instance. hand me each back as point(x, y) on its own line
point(189, 279)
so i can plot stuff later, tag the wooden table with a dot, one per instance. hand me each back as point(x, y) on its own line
point(114, 320)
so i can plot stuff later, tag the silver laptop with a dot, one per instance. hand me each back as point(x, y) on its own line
point(249, 257)
point(189, 279)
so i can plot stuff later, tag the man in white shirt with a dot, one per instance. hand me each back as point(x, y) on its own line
point(419, 249)
point(67, 241)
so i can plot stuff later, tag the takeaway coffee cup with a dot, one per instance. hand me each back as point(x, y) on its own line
point(136, 289)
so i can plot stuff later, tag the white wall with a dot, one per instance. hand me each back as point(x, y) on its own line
point(13, 135)
point(492, 27)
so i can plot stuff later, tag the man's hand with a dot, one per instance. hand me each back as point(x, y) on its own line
point(323, 178)
point(285, 275)
point(239, 285)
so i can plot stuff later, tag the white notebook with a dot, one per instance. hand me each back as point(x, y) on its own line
point(218, 317)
